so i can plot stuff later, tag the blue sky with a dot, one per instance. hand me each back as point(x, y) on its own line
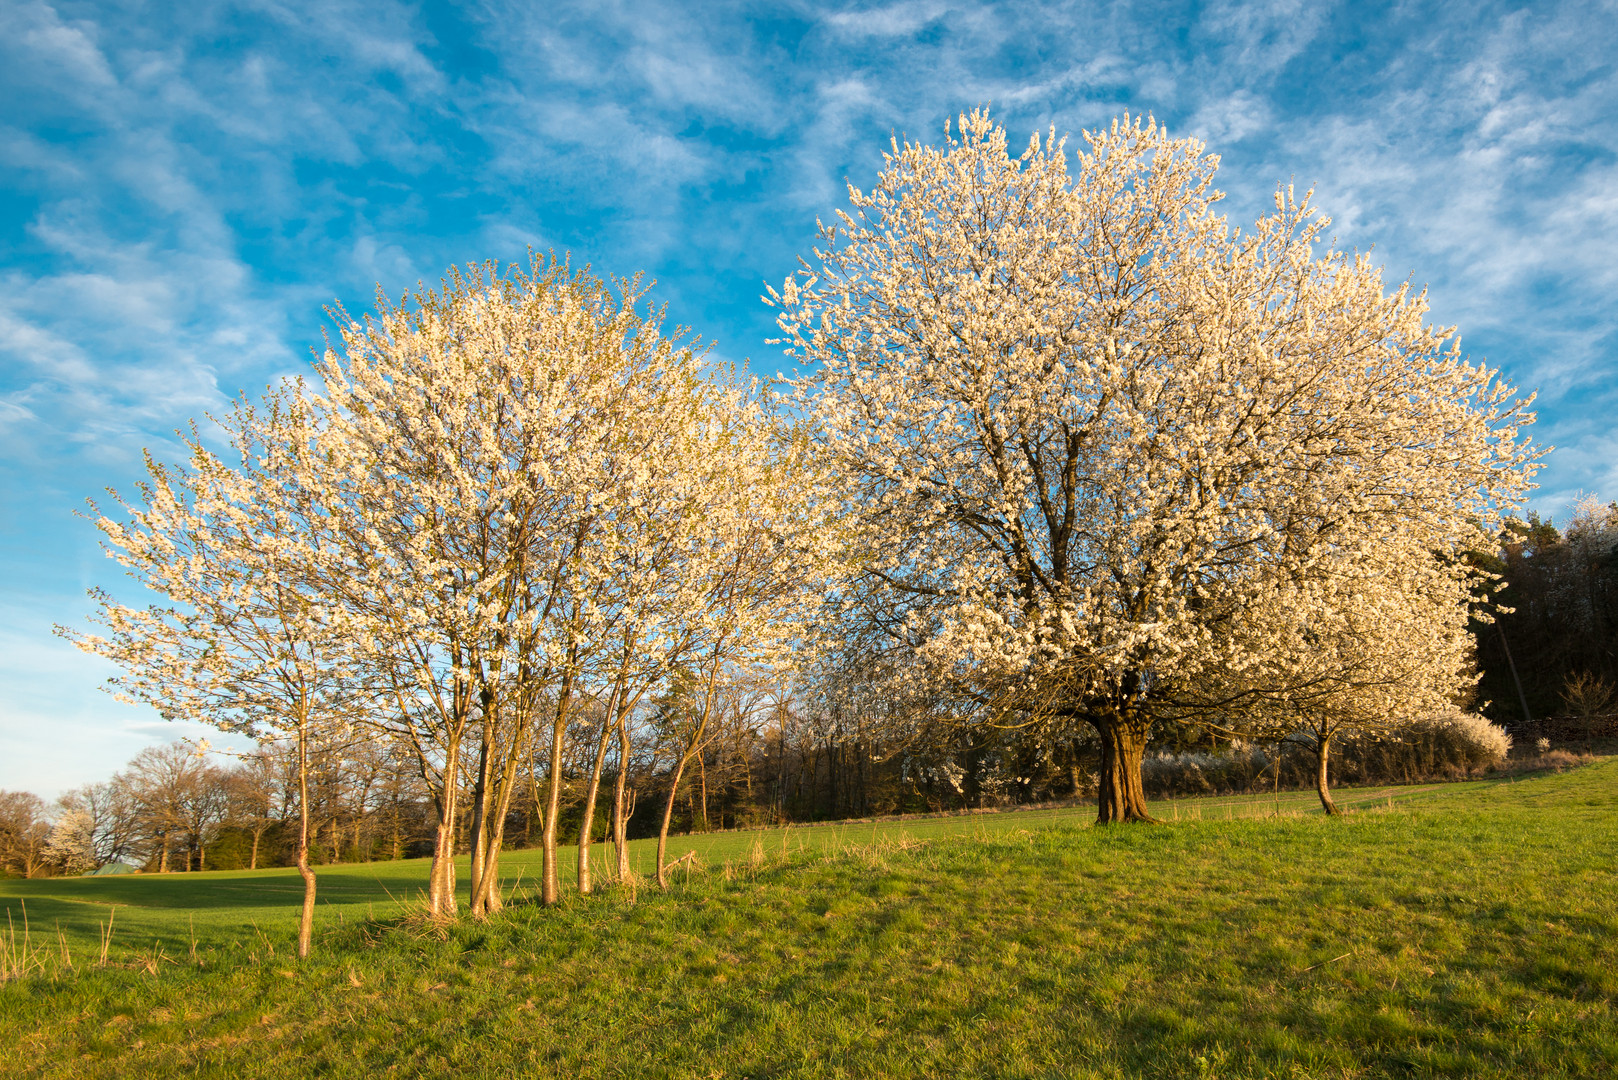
point(185, 187)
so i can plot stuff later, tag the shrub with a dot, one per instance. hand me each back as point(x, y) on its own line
point(1562, 759)
point(1219, 773)
point(1453, 743)
point(1444, 745)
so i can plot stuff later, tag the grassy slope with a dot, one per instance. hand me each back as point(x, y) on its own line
point(1473, 930)
point(221, 910)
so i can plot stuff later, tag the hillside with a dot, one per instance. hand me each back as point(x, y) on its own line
point(1468, 929)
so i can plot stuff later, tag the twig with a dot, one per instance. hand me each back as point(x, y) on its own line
point(106, 935)
point(1323, 963)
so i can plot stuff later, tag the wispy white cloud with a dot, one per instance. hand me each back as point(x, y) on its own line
point(191, 185)
point(888, 20)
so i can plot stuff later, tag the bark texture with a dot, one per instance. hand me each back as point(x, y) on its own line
point(1123, 746)
point(622, 806)
point(441, 875)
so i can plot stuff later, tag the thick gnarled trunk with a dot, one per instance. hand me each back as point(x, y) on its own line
point(1123, 746)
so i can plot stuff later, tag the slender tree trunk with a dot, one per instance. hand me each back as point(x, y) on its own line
point(551, 886)
point(486, 896)
point(587, 823)
point(478, 868)
point(163, 852)
point(862, 777)
point(252, 862)
point(797, 780)
point(691, 747)
point(306, 919)
point(1522, 698)
point(702, 784)
point(1123, 746)
point(833, 789)
point(539, 803)
point(668, 812)
point(480, 809)
point(620, 811)
point(781, 769)
point(1322, 753)
point(441, 877)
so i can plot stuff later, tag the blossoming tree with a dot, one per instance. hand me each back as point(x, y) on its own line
point(474, 436)
point(1369, 642)
point(241, 638)
point(1091, 425)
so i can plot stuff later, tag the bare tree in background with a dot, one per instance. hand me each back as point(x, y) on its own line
point(25, 830)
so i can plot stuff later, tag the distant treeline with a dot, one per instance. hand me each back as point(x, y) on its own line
point(1553, 648)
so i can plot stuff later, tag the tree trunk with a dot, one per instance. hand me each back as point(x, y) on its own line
point(486, 897)
point(702, 773)
point(480, 810)
point(1322, 753)
point(1123, 745)
point(832, 789)
point(306, 919)
point(588, 821)
point(1522, 698)
point(620, 811)
point(668, 812)
point(441, 877)
point(551, 886)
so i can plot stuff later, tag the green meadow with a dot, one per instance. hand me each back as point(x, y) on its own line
point(1449, 930)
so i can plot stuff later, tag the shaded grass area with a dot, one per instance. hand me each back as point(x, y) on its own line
point(1469, 930)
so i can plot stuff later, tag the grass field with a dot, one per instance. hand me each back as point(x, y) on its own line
point(1455, 930)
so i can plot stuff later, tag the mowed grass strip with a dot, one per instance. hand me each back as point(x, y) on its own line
point(1472, 931)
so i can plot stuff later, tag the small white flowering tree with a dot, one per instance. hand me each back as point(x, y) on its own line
point(241, 636)
point(1369, 642)
point(713, 513)
point(762, 547)
point(71, 844)
point(1092, 426)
